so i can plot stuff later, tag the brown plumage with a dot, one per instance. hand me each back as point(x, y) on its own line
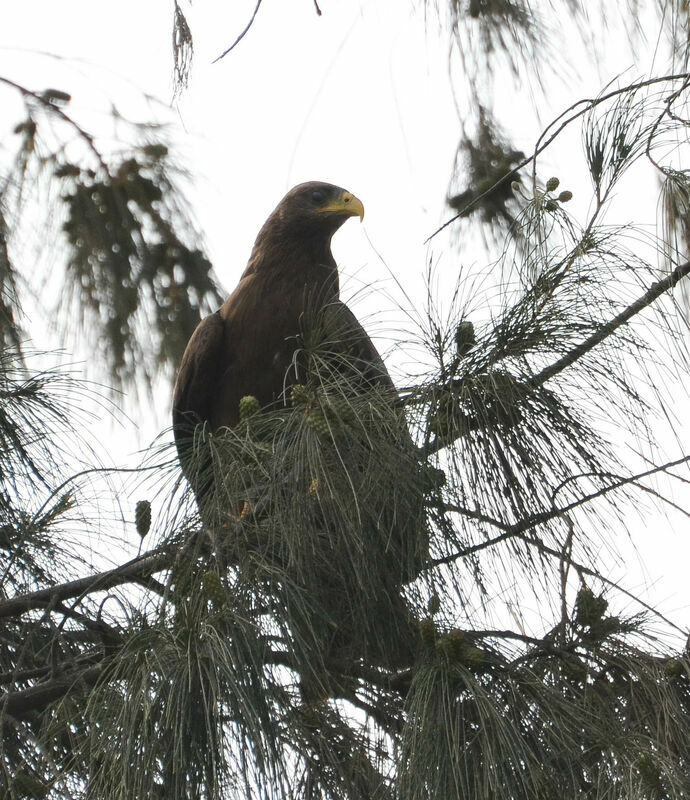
point(357, 549)
point(247, 347)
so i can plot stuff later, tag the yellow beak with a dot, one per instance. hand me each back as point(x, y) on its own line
point(347, 203)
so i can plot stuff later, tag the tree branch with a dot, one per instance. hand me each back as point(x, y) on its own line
point(525, 524)
point(69, 665)
point(586, 105)
point(653, 293)
point(39, 98)
point(36, 698)
point(243, 34)
point(137, 570)
point(607, 329)
point(595, 574)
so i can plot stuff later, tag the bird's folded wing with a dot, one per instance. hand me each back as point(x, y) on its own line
point(195, 387)
point(348, 336)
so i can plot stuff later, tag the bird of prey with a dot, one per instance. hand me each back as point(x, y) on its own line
point(247, 346)
point(254, 345)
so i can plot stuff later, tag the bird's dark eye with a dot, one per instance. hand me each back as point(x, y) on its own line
point(318, 197)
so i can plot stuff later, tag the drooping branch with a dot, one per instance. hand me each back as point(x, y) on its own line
point(55, 109)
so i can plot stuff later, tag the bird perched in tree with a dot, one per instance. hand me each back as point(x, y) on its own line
point(247, 347)
point(256, 345)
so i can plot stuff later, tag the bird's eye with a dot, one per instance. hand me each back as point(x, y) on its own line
point(317, 197)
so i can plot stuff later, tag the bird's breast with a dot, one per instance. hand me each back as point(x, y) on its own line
point(262, 331)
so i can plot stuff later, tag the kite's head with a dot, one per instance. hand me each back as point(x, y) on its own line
point(298, 233)
point(318, 208)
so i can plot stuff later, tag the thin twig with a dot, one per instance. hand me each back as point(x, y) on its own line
point(594, 574)
point(468, 512)
point(589, 104)
point(525, 524)
point(88, 138)
point(242, 35)
point(666, 112)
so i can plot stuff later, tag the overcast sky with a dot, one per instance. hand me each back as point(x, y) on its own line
point(360, 96)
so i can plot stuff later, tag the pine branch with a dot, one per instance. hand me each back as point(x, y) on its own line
point(107, 634)
point(50, 106)
point(138, 570)
point(593, 573)
point(650, 296)
point(36, 698)
point(518, 528)
point(583, 107)
point(655, 291)
point(20, 676)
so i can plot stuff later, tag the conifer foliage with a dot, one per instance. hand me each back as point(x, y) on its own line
point(231, 655)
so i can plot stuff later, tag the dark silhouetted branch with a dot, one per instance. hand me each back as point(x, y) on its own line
point(138, 570)
point(36, 698)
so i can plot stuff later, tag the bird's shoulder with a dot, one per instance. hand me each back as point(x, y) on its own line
point(198, 370)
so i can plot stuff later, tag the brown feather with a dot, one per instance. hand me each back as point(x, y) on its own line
point(248, 346)
point(251, 346)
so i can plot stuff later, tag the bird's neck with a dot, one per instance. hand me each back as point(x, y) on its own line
point(296, 261)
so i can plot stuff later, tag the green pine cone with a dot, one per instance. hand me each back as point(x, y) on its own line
point(465, 339)
point(339, 407)
point(473, 657)
point(318, 422)
point(673, 668)
point(589, 608)
point(249, 406)
point(142, 517)
point(299, 396)
point(427, 630)
point(213, 589)
point(452, 646)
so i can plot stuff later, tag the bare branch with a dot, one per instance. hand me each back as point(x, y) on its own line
point(138, 569)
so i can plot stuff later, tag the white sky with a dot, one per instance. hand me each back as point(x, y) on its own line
point(360, 96)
